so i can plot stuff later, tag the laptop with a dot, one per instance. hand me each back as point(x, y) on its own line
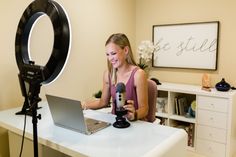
point(68, 113)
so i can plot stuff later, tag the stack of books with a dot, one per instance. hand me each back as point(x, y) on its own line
point(181, 106)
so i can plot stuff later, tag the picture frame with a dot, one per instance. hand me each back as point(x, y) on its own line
point(186, 45)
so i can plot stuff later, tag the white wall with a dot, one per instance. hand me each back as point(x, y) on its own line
point(157, 12)
point(87, 59)
point(92, 22)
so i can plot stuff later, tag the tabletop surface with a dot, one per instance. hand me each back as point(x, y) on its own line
point(137, 140)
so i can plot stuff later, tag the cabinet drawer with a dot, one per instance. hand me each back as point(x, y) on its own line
point(213, 134)
point(214, 119)
point(210, 149)
point(212, 103)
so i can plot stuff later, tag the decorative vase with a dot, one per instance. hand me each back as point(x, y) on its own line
point(223, 85)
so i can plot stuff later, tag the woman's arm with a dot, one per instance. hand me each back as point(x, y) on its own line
point(105, 98)
point(140, 82)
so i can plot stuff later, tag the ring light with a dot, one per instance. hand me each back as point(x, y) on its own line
point(35, 75)
point(61, 46)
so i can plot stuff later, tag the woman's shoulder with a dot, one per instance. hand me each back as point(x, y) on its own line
point(138, 70)
point(140, 73)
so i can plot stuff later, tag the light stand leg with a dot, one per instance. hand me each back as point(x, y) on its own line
point(34, 99)
point(35, 132)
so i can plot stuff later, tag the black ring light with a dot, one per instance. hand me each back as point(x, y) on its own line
point(61, 44)
point(36, 75)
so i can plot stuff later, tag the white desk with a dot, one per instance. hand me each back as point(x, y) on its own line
point(140, 139)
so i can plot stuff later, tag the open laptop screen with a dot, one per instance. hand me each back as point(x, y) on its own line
point(68, 113)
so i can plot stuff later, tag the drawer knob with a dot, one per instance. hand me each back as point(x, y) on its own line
point(212, 106)
point(210, 149)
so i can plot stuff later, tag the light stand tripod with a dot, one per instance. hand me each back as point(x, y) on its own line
point(34, 99)
point(34, 75)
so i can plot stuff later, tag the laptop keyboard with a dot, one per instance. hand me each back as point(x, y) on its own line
point(94, 125)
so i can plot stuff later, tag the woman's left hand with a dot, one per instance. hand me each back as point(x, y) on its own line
point(130, 108)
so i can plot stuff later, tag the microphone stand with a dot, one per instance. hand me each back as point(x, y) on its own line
point(121, 121)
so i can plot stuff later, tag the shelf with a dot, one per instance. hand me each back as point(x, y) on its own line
point(193, 89)
point(162, 114)
point(190, 148)
point(182, 118)
point(212, 109)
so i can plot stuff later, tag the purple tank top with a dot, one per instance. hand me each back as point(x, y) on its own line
point(130, 90)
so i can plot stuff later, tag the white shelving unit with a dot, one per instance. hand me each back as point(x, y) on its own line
point(213, 129)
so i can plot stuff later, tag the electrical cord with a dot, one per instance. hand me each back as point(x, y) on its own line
point(23, 136)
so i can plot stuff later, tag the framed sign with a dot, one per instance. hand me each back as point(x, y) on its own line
point(191, 45)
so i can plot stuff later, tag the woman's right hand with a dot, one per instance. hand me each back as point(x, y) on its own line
point(131, 110)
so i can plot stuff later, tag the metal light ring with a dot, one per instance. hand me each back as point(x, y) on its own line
point(61, 44)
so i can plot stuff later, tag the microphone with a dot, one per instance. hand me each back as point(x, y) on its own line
point(119, 103)
point(120, 95)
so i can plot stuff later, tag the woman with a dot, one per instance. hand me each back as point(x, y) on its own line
point(122, 68)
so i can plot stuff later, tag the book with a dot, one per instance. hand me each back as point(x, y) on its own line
point(176, 106)
point(183, 106)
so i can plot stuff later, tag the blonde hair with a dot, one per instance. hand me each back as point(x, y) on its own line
point(122, 41)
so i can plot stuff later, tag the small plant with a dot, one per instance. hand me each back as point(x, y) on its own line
point(98, 94)
point(142, 65)
point(145, 53)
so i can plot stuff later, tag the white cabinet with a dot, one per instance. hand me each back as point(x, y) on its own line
point(213, 127)
point(211, 149)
